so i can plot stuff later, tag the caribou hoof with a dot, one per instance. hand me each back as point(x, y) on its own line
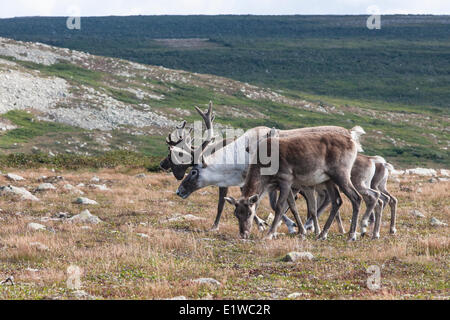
point(393, 231)
point(376, 236)
point(214, 229)
point(261, 227)
point(352, 237)
point(322, 237)
point(270, 236)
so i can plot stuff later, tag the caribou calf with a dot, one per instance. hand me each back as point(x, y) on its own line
point(369, 176)
point(305, 160)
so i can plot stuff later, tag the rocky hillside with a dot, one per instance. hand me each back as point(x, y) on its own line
point(56, 101)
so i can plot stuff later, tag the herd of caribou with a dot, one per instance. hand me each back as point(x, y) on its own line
point(316, 162)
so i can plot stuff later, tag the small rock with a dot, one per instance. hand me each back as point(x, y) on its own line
point(82, 200)
point(36, 226)
point(71, 188)
point(433, 180)
point(141, 175)
point(86, 228)
point(39, 246)
point(14, 177)
point(32, 270)
point(419, 190)
point(208, 281)
point(95, 179)
point(294, 256)
point(142, 235)
point(101, 187)
point(437, 223)
point(45, 187)
point(22, 192)
point(52, 179)
point(417, 213)
point(422, 172)
point(85, 217)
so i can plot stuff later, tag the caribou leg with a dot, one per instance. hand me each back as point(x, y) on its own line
point(279, 209)
point(336, 202)
point(311, 201)
point(370, 197)
point(350, 192)
point(288, 222)
point(223, 191)
point(293, 207)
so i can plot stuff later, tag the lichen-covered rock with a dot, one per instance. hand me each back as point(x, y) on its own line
point(417, 213)
point(86, 201)
point(85, 217)
point(22, 192)
point(294, 256)
point(45, 187)
point(207, 281)
point(36, 226)
point(14, 177)
point(437, 223)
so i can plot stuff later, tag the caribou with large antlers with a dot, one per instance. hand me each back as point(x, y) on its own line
point(181, 146)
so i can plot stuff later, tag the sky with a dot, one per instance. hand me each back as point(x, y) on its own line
point(17, 8)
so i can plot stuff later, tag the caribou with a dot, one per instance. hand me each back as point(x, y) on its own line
point(369, 175)
point(306, 160)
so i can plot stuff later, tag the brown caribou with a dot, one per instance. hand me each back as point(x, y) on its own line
point(305, 161)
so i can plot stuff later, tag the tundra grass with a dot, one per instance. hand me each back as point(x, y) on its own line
point(118, 263)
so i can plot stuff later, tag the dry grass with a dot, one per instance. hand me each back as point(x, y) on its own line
point(117, 263)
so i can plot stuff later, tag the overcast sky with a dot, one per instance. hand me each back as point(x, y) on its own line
point(17, 8)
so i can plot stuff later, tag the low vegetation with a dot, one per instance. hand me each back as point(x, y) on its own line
point(138, 253)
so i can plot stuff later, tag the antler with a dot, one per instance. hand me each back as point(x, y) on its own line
point(208, 118)
point(181, 133)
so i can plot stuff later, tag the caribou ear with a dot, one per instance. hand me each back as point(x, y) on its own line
point(230, 200)
point(247, 149)
point(253, 199)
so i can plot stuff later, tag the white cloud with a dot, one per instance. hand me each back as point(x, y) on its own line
point(151, 7)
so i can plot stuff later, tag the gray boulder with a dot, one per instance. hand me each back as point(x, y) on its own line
point(294, 256)
point(85, 217)
point(87, 201)
point(207, 281)
point(22, 192)
point(45, 187)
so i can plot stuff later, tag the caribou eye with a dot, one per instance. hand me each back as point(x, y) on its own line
point(194, 172)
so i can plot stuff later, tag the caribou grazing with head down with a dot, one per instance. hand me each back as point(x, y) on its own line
point(305, 160)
